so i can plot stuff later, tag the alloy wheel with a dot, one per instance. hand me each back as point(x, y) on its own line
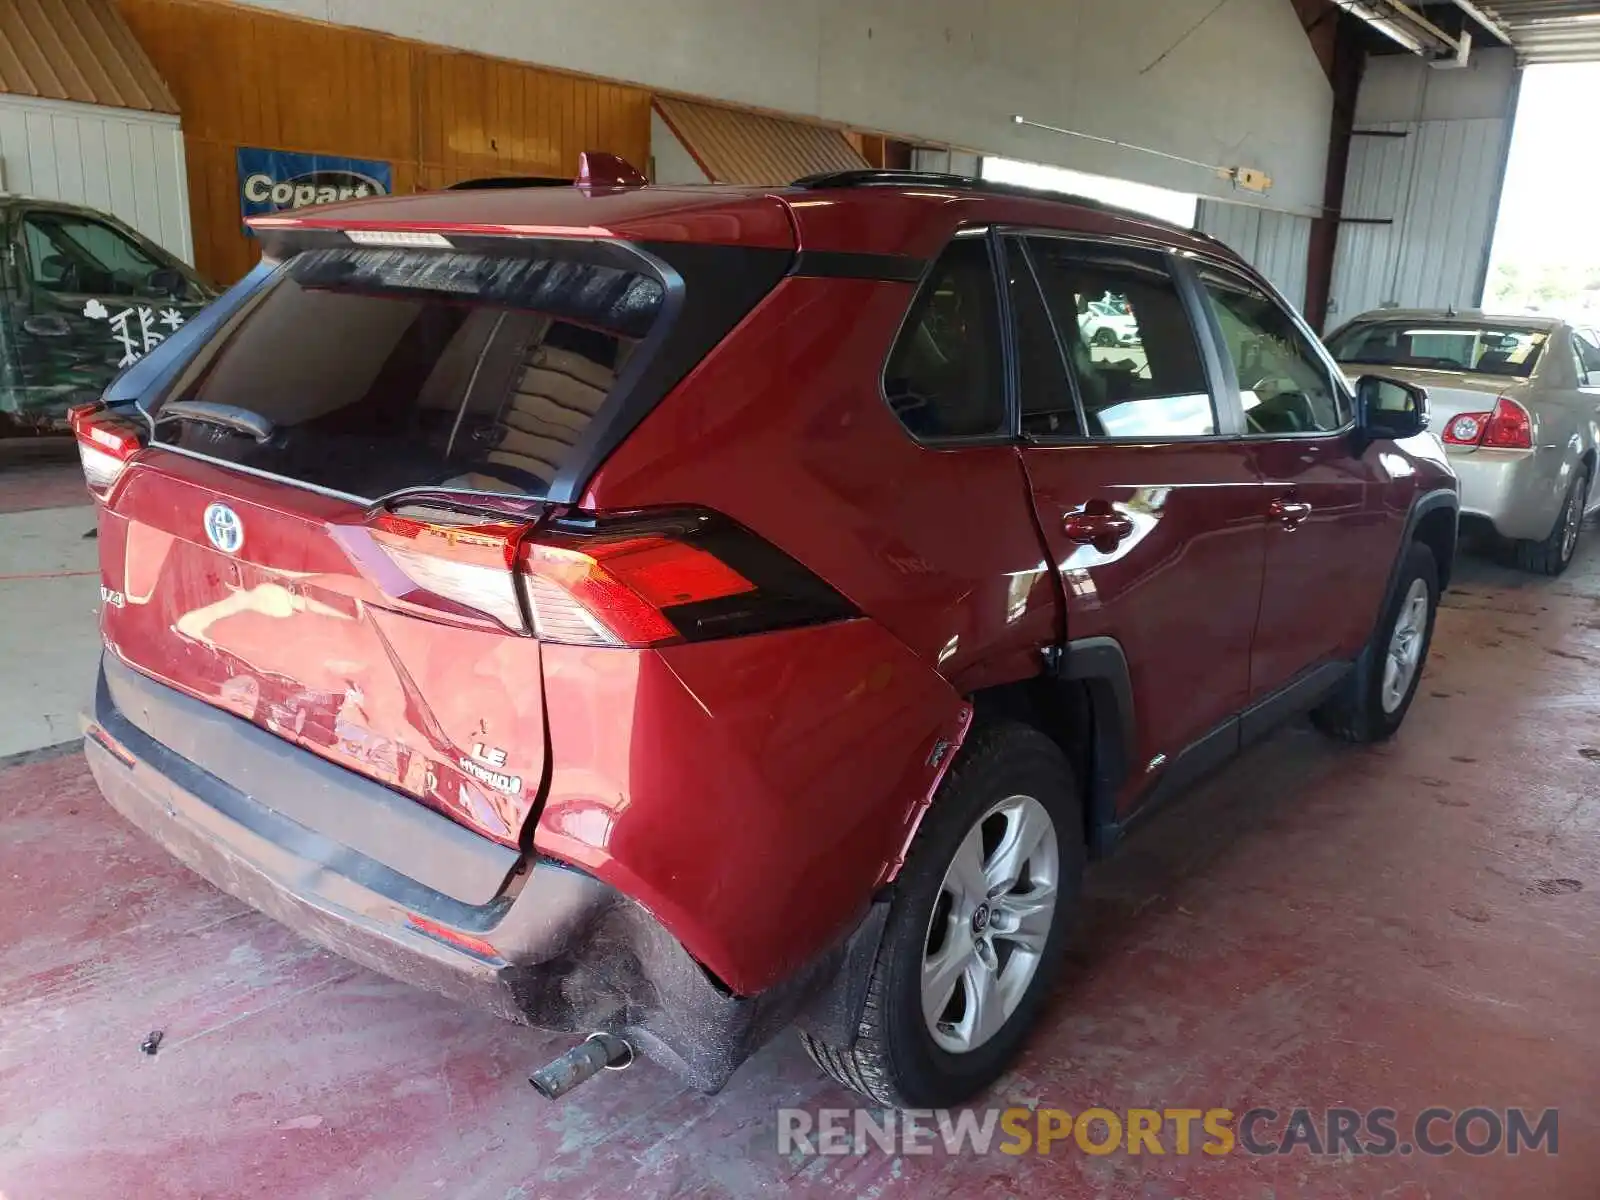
point(1573, 520)
point(989, 926)
point(1405, 646)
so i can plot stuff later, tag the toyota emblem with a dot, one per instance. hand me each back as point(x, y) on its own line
point(224, 528)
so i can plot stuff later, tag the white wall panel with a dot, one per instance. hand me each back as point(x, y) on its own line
point(946, 161)
point(1276, 243)
point(127, 163)
point(1235, 84)
point(671, 158)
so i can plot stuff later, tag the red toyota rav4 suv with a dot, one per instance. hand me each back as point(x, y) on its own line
point(672, 614)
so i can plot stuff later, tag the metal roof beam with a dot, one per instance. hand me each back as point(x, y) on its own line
point(1404, 25)
point(1489, 23)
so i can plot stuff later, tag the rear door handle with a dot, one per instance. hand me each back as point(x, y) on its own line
point(1098, 525)
point(1290, 512)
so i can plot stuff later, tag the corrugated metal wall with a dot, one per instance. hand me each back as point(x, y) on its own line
point(1420, 205)
point(1275, 243)
point(1439, 185)
point(127, 163)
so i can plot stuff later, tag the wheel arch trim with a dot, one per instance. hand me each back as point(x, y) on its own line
point(1101, 664)
point(1428, 502)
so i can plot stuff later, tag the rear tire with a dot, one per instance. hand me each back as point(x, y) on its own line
point(1105, 337)
point(1008, 807)
point(1554, 554)
point(1376, 698)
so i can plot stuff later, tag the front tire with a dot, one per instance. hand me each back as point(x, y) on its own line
point(1554, 554)
point(976, 928)
point(1105, 337)
point(1375, 700)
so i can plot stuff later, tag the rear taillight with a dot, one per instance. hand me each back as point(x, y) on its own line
point(1508, 427)
point(1465, 429)
point(652, 579)
point(106, 441)
point(644, 579)
point(462, 560)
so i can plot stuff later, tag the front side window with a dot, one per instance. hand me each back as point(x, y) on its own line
point(1442, 346)
point(943, 379)
point(78, 256)
point(1284, 384)
point(1128, 341)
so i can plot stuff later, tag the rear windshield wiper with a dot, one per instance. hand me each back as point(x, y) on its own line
point(228, 416)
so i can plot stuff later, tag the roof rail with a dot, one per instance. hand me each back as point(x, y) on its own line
point(864, 177)
point(490, 182)
point(968, 183)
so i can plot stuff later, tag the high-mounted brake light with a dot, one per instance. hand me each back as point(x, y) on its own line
point(397, 237)
point(653, 579)
point(106, 442)
point(1508, 427)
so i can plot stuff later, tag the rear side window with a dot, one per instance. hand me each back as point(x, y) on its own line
point(943, 379)
point(375, 370)
point(1128, 342)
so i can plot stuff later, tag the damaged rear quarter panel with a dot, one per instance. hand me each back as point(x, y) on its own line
point(750, 793)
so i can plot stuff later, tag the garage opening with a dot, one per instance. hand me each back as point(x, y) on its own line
point(1546, 256)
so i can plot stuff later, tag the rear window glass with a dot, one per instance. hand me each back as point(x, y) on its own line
point(1481, 349)
point(368, 371)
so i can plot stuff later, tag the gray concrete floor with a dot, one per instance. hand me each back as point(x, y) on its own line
point(49, 610)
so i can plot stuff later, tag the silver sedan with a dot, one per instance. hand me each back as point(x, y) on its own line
point(1516, 402)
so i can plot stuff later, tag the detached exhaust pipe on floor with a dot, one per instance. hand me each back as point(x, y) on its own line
point(597, 1052)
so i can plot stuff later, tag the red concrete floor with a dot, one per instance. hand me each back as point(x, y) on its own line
point(1407, 926)
point(53, 481)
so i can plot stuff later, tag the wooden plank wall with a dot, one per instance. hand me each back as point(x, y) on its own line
point(244, 77)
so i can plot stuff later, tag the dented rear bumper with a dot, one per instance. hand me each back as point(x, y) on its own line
point(554, 947)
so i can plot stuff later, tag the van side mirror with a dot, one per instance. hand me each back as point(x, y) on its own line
point(166, 281)
point(1387, 408)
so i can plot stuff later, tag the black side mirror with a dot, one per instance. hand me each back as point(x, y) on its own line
point(1389, 409)
point(166, 281)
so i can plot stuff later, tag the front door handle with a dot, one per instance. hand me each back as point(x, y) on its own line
point(1290, 512)
point(1097, 524)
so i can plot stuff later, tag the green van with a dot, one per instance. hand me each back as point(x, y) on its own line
point(81, 297)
